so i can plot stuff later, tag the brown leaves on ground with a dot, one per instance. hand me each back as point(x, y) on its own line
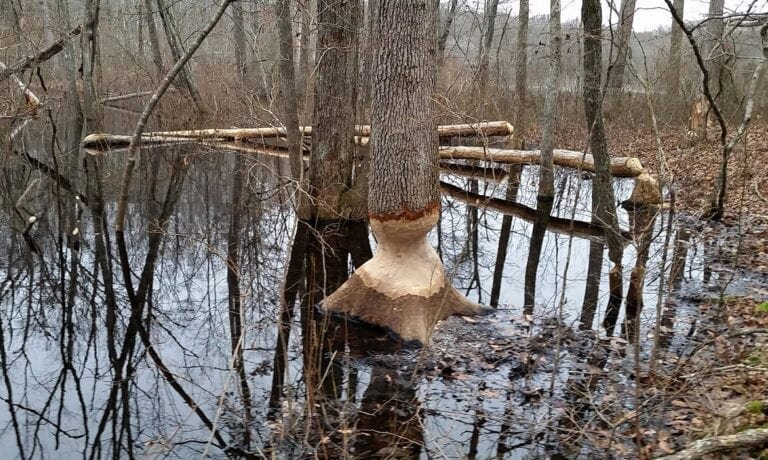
point(723, 386)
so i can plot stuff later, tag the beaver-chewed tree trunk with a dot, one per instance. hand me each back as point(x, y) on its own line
point(403, 287)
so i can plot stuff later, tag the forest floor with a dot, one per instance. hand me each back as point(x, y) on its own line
point(721, 387)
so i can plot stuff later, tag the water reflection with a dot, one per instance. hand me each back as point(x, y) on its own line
point(198, 334)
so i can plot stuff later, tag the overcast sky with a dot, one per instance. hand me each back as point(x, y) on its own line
point(650, 13)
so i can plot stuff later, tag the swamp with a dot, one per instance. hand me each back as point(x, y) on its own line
point(173, 242)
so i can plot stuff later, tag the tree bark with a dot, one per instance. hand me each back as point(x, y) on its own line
point(675, 42)
point(154, 42)
point(330, 171)
point(241, 50)
point(290, 101)
point(520, 122)
point(616, 77)
point(446, 30)
point(491, 6)
point(403, 288)
point(177, 51)
point(89, 48)
point(546, 193)
point(603, 208)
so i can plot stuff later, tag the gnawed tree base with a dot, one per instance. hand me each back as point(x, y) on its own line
point(403, 287)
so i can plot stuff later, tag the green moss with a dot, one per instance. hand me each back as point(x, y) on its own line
point(762, 309)
point(755, 407)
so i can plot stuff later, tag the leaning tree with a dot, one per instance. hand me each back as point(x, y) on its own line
point(403, 287)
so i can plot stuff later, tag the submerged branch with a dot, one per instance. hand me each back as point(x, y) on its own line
point(586, 230)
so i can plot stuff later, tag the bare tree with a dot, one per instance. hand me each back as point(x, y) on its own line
point(403, 287)
point(241, 50)
point(616, 77)
point(675, 40)
point(177, 51)
point(546, 194)
point(290, 100)
point(603, 200)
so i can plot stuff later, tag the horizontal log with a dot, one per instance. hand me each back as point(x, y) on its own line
point(620, 166)
point(494, 128)
point(123, 97)
point(581, 229)
point(116, 141)
point(752, 438)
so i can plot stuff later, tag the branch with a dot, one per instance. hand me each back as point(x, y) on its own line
point(703, 67)
point(122, 204)
point(757, 437)
point(42, 56)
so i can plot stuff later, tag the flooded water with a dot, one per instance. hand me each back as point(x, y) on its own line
point(144, 347)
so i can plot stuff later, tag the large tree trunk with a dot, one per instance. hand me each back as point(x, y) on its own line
point(603, 208)
point(403, 287)
point(616, 77)
point(330, 168)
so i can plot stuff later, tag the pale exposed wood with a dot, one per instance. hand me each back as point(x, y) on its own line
point(107, 141)
point(123, 97)
point(32, 100)
point(586, 230)
point(756, 437)
point(494, 128)
point(620, 166)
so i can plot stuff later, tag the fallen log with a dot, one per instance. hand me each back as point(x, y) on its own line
point(581, 229)
point(754, 438)
point(124, 97)
point(620, 166)
point(111, 142)
point(33, 102)
point(40, 57)
point(495, 128)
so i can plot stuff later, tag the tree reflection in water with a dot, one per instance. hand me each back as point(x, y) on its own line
point(200, 335)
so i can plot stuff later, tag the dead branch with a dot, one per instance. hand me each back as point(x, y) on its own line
point(40, 57)
point(756, 437)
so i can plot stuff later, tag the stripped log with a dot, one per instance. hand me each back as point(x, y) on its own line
point(495, 128)
point(581, 229)
point(620, 166)
point(33, 102)
point(123, 97)
point(108, 142)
